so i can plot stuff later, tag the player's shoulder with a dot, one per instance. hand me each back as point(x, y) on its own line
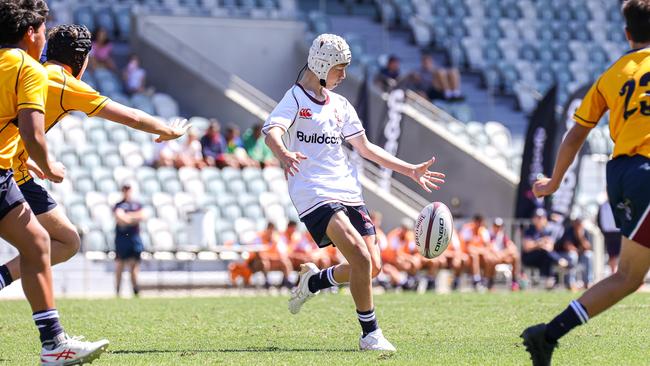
point(29, 65)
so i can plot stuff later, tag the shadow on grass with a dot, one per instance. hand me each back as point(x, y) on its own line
point(231, 350)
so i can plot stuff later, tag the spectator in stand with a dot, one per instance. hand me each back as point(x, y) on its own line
point(611, 234)
point(303, 248)
point(165, 153)
point(575, 247)
point(214, 149)
point(456, 258)
point(504, 251)
point(235, 147)
point(476, 238)
point(537, 248)
point(399, 253)
point(274, 256)
point(134, 75)
point(389, 76)
point(101, 54)
point(435, 82)
point(257, 148)
point(128, 244)
point(189, 152)
point(388, 269)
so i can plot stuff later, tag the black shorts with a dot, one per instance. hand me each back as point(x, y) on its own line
point(628, 182)
point(128, 247)
point(317, 221)
point(37, 197)
point(10, 195)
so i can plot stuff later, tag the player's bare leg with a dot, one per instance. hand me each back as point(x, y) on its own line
point(65, 241)
point(134, 267)
point(633, 266)
point(20, 228)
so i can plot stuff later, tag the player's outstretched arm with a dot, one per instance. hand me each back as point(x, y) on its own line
point(420, 173)
point(31, 124)
point(565, 156)
point(142, 121)
point(289, 160)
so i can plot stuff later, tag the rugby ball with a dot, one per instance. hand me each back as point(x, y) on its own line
point(433, 229)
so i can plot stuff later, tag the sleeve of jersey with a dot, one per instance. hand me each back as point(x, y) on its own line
point(82, 97)
point(592, 108)
point(283, 115)
point(352, 127)
point(32, 87)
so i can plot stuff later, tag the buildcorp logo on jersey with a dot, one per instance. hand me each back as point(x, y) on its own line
point(321, 139)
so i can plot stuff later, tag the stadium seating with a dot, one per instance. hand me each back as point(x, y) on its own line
point(242, 200)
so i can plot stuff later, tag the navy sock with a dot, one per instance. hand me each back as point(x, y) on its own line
point(368, 321)
point(575, 314)
point(324, 279)
point(47, 322)
point(5, 277)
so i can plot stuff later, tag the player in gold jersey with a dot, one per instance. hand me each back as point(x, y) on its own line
point(23, 91)
point(67, 57)
point(624, 90)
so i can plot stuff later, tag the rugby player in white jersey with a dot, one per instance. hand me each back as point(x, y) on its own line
point(305, 132)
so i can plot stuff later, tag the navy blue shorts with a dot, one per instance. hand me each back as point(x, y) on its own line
point(10, 196)
point(37, 197)
point(628, 187)
point(317, 221)
point(128, 247)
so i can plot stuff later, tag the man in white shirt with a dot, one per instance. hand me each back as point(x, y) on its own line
point(305, 132)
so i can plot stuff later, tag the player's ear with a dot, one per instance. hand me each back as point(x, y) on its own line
point(627, 35)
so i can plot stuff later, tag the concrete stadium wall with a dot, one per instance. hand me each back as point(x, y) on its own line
point(261, 52)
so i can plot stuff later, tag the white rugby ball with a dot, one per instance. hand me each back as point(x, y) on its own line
point(433, 229)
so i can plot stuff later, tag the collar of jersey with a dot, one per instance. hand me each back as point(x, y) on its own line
point(327, 96)
point(637, 49)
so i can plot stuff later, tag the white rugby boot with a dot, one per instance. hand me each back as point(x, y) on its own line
point(375, 341)
point(72, 351)
point(300, 294)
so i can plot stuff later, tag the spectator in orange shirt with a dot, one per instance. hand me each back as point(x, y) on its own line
point(476, 238)
point(273, 257)
point(389, 269)
point(303, 248)
point(402, 252)
point(504, 251)
point(456, 259)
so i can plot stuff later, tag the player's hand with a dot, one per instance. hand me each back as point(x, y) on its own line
point(177, 128)
point(290, 161)
point(34, 168)
point(56, 172)
point(544, 187)
point(425, 178)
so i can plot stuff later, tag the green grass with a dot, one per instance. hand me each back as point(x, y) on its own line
point(456, 329)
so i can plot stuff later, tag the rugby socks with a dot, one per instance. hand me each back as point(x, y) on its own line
point(324, 279)
point(47, 322)
point(368, 321)
point(5, 277)
point(574, 315)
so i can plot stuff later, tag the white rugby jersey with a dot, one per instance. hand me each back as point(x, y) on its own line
point(317, 129)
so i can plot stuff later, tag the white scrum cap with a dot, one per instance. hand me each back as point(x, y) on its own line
point(326, 51)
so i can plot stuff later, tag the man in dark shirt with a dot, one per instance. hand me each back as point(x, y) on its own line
point(575, 247)
point(537, 247)
point(214, 148)
point(128, 244)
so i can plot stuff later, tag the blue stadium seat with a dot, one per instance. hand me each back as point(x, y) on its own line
point(84, 15)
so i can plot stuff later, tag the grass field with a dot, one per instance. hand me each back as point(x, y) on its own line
point(456, 329)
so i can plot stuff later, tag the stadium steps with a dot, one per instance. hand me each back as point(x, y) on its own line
point(378, 42)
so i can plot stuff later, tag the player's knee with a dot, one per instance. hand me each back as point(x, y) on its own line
point(361, 257)
point(71, 242)
point(40, 248)
point(376, 269)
